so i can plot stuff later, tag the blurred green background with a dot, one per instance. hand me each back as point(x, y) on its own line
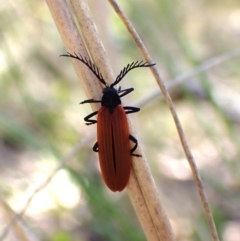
point(41, 120)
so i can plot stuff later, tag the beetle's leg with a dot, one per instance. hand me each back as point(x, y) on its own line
point(125, 92)
point(90, 121)
point(90, 101)
point(130, 109)
point(134, 140)
point(95, 147)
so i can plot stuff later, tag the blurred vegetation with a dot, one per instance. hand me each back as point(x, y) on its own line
point(41, 120)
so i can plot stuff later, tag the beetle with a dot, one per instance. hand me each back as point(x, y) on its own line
point(113, 137)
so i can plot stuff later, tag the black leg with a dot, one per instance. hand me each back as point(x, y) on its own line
point(134, 140)
point(124, 92)
point(90, 121)
point(95, 147)
point(90, 101)
point(130, 109)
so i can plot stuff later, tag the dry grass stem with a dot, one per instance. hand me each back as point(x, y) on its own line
point(74, 44)
point(15, 226)
point(141, 208)
point(63, 18)
point(91, 38)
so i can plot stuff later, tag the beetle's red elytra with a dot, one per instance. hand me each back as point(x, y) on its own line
point(113, 137)
point(114, 145)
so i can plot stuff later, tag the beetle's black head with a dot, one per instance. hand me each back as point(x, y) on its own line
point(110, 98)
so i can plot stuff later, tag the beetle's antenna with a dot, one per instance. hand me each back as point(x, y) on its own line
point(88, 63)
point(128, 68)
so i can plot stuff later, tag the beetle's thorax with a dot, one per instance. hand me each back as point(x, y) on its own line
point(110, 98)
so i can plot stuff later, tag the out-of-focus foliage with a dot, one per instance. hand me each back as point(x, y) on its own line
point(41, 121)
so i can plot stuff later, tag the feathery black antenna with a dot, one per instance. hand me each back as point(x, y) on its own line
point(128, 68)
point(89, 64)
